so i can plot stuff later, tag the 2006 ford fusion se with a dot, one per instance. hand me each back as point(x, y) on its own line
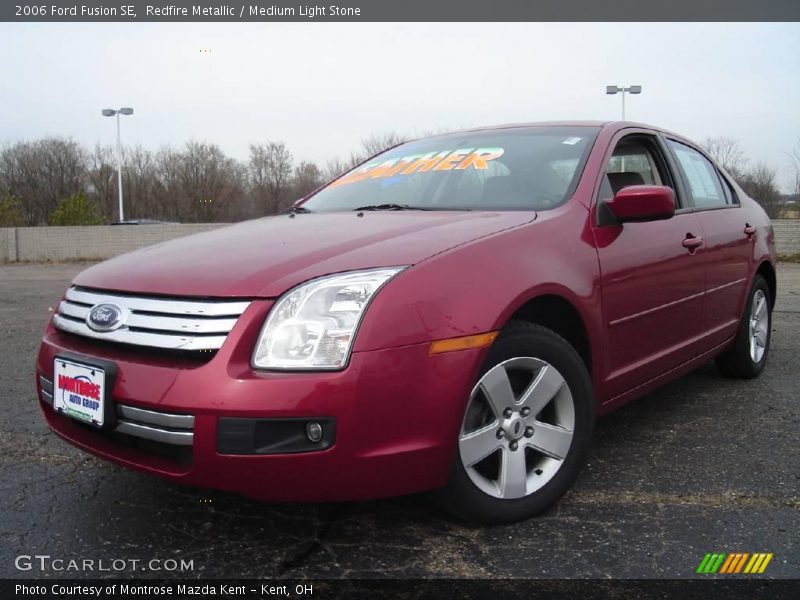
point(450, 315)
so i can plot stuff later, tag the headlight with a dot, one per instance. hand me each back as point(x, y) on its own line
point(313, 325)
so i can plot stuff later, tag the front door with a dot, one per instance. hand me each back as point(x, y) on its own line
point(653, 275)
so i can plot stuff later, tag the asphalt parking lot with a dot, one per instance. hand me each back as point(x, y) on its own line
point(704, 464)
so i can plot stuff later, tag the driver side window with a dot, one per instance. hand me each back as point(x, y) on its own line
point(632, 163)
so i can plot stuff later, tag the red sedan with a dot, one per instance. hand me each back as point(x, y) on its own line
point(450, 315)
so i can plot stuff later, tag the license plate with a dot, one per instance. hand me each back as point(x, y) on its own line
point(79, 391)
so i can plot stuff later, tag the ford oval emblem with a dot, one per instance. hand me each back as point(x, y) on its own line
point(105, 317)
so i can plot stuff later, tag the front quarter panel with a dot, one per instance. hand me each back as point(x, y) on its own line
point(477, 287)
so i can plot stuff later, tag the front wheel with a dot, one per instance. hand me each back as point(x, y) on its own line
point(746, 358)
point(526, 429)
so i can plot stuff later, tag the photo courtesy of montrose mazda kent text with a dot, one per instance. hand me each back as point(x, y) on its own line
point(449, 316)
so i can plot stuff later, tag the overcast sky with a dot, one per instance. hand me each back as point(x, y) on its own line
point(321, 87)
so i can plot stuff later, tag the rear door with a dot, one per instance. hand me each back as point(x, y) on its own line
point(652, 273)
point(728, 241)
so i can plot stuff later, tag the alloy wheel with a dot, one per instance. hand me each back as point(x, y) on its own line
point(759, 326)
point(518, 428)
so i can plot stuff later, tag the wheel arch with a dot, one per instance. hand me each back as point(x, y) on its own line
point(556, 312)
point(767, 271)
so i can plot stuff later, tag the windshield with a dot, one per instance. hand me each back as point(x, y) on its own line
point(526, 168)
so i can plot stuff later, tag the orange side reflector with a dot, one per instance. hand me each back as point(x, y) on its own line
point(463, 343)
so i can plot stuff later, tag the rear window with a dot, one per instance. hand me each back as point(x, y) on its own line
point(531, 168)
point(701, 177)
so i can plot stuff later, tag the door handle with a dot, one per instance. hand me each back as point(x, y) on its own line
point(692, 243)
point(749, 231)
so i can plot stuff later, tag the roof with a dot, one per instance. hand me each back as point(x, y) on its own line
point(568, 123)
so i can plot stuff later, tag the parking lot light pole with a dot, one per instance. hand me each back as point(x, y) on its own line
point(110, 112)
point(633, 89)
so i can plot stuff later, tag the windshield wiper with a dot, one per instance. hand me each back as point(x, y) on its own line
point(302, 210)
point(390, 206)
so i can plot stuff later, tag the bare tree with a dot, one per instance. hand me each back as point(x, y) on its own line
point(145, 197)
point(759, 182)
point(307, 177)
point(727, 154)
point(166, 195)
point(11, 212)
point(794, 157)
point(102, 181)
point(210, 181)
point(269, 170)
point(42, 173)
point(333, 168)
point(381, 141)
point(374, 144)
point(338, 166)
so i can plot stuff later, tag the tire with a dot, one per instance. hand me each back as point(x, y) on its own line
point(483, 490)
point(741, 360)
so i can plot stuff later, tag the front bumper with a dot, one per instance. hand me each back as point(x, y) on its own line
point(397, 414)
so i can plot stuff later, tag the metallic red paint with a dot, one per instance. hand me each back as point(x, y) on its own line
point(650, 307)
point(378, 451)
point(265, 257)
point(643, 203)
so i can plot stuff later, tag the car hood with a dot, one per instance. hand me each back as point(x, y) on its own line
point(265, 257)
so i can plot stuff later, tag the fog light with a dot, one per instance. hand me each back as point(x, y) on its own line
point(313, 431)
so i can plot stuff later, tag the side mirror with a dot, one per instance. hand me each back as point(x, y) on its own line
point(643, 203)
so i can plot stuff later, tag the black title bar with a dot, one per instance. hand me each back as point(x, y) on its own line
point(398, 10)
point(389, 589)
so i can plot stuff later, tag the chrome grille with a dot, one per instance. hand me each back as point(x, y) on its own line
point(174, 324)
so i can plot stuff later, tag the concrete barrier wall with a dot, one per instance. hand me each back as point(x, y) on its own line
point(8, 244)
point(24, 244)
point(787, 236)
point(39, 244)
